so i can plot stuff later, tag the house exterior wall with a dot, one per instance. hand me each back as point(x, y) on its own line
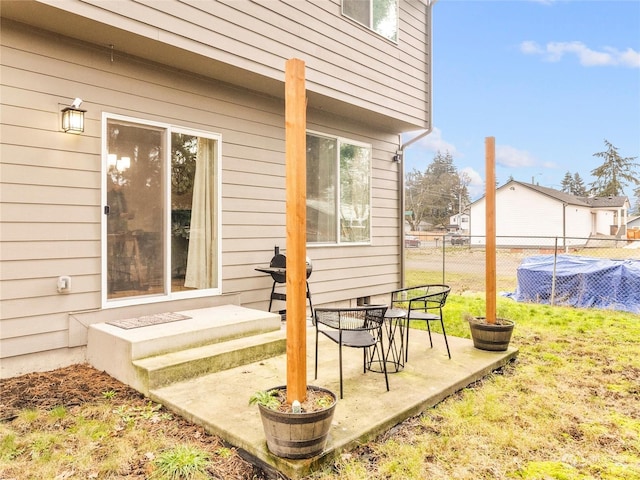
point(634, 223)
point(522, 212)
point(461, 220)
point(51, 184)
point(604, 219)
point(578, 224)
point(349, 67)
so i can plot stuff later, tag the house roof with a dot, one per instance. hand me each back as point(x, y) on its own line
point(557, 194)
point(610, 201)
point(592, 202)
point(633, 220)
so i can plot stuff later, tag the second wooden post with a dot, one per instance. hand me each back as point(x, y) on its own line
point(490, 205)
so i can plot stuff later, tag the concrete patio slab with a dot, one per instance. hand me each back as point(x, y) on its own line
point(219, 401)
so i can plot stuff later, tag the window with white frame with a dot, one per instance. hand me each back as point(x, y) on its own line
point(381, 16)
point(162, 211)
point(338, 190)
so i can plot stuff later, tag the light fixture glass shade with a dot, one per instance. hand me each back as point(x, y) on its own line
point(73, 120)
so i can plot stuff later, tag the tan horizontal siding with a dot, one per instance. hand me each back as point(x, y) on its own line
point(48, 231)
point(384, 77)
point(47, 250)
point(49, 212)
point(31, 269)
point(51, 208)
point(17, 327)
point(46, 286)
point(42, 342)
point(35, 306)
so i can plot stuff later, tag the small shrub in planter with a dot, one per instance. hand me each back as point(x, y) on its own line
point(295, 434)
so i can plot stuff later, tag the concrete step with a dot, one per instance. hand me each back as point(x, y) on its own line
point(114, 349)
point(162, 370)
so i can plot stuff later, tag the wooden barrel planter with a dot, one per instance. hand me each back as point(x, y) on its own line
point(297, 435)
point(492, 337)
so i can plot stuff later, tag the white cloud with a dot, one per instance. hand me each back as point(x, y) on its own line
point(434, 143)
point(607, 56)
point(476, 182)
point(507, 156)
point(530, 48)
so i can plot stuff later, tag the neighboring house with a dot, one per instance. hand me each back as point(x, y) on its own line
point(529, 214)
point(459, 223)
point(421, 227)
point(633, 222)
point(174, 193)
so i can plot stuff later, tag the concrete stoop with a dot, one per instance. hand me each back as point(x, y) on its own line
point(210, 340)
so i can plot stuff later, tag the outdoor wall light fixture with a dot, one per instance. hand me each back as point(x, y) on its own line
point(73, 117)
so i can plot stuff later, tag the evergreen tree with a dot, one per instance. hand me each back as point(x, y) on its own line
point(578, 187)
point(614, 174)
point(566, 185)
point(442, 185)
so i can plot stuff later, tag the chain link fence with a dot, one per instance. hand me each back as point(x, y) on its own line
point(553, 270)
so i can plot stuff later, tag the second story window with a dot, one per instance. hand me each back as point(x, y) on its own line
point(381, 16)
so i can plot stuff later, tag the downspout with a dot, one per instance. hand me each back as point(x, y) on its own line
point(400, 153)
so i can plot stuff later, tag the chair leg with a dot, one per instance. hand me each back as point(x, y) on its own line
point(429, 330)
point(384, 362)
point(406, 354)
point(444, 333)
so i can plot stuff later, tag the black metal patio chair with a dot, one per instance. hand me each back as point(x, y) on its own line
point(359, 327)
point(422, 303)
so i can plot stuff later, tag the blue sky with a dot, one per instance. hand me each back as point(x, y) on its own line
point(549, 79)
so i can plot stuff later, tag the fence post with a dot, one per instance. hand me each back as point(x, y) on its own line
point(444, 266)
point(553, 277)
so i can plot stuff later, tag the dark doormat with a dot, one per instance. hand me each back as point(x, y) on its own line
point(148, 320)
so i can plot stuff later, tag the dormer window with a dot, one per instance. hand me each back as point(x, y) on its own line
point(381, 16)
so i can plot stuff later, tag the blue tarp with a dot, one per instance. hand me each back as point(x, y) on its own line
point(580, 282)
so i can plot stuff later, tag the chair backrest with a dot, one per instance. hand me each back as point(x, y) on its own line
point(421, 297)
point(356, 318)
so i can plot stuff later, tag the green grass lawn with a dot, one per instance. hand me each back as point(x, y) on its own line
point(568, 408)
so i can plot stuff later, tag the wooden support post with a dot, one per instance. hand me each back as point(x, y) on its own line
point(296, 196)
point(490, 201)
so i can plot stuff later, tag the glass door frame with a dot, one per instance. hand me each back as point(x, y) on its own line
point(168, 295)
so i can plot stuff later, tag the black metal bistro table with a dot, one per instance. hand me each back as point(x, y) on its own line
point(395, 320)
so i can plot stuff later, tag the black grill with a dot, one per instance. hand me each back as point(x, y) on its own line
point(278, 270)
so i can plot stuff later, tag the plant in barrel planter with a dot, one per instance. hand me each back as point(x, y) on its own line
point(297, 430)
point(490, 332)
point(296, 417)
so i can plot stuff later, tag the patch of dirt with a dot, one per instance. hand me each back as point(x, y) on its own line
point(65, 387)
point(81, 384)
